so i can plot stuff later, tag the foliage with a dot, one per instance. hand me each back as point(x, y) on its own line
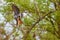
point(36, 22)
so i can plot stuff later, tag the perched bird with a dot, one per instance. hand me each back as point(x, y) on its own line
point(16, 14)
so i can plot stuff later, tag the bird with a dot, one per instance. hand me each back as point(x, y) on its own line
point(17, 15)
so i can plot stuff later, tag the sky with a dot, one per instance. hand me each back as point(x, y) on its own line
point(8, 27)
point(1, 16)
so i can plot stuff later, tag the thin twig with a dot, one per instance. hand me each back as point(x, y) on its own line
point(35, 24)
point(39, 20)
point(37, 8)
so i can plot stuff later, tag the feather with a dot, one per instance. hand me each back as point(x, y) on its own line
point(16, 14)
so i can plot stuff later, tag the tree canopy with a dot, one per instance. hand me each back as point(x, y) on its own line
point(41, 20)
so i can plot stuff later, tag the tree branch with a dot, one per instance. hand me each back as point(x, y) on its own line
point(27, 33)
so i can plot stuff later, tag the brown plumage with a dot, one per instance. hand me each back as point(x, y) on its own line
point(19, 21)
point(16, 14)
